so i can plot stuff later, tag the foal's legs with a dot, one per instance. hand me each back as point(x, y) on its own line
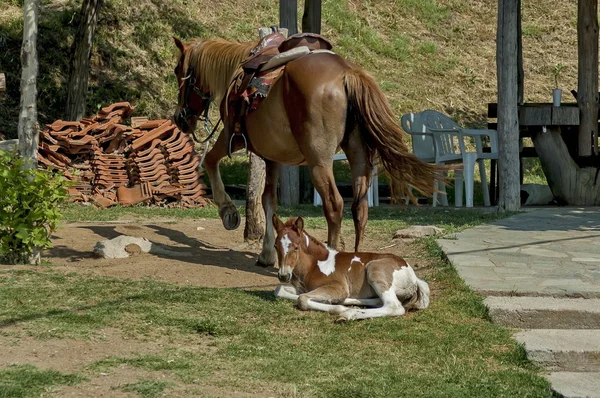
point(324, 298)
point(333, 204)
point(360, 159)
point(290, 293)
point(227, 210)
point(268, 256)
point(380, 277)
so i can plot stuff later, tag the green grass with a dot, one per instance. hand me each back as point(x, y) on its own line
point(147, 388)
point(450, 349)
point(28, 381)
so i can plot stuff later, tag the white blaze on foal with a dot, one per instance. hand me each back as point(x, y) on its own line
point(325, 280)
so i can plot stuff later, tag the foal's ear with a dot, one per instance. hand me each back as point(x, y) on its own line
point(277, 224)
point(179, 44)
point(299, 224)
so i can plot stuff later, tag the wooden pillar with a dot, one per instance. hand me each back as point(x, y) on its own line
point(587, 76)
point(254, 230)
point(311, 19)
point(28, 125)
point(2, 82)
point(508, 124)
point(288, 15)
point(290, 175)
point(520, 71)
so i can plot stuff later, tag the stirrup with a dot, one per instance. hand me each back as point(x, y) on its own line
point(231, 141)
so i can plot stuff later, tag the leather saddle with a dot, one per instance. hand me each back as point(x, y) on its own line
point(271, 52)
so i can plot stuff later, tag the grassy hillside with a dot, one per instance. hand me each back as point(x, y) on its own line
point(436, 54)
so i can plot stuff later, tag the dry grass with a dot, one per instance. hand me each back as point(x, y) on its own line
point(429, 54)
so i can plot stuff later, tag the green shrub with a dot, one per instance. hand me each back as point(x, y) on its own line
point(29, 201)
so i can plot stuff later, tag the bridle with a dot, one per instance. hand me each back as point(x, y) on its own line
point(187, 112)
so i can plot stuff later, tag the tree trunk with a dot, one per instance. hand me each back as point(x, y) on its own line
point(587, 76)
point(80, 59)
point(255, 215)
point(28, 125)
point(508, 123)
point(311, 19)
point(576, 186)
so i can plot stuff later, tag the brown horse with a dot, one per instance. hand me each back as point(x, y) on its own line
point(326, 280)
point(319, 104)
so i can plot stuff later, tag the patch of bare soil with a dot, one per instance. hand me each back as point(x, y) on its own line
point(198, 252)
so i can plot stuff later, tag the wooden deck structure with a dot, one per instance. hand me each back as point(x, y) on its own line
point(565, 161)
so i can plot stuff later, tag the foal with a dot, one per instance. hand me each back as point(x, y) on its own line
point(326, 280)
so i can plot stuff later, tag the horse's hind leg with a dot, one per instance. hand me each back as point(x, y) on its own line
point(227, 210)
point(360, 159)
point(380, 277)
point(333, 204)
point(268, 256)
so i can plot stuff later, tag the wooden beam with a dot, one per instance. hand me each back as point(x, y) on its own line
point(587, 76)
point(2, 82)
point(508, 124)
point(311, 19)
point(520, 70)
point(288, 15)
point(290, 175)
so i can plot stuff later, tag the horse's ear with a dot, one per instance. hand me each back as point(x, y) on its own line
point(277, 224)
point(299, 224)
point(179, 44)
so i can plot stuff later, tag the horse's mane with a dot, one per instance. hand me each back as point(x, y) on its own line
point(214, 62)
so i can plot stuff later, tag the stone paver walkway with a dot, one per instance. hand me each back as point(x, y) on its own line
point(541, 252)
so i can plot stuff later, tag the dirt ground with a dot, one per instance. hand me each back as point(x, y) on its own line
point(199, 252)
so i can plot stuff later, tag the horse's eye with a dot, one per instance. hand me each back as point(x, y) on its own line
point(296, 249)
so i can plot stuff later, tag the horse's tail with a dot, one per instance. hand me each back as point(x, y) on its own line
point(377, 120)
point(422, 294)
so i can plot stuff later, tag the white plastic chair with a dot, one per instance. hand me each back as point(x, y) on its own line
point(442, 128)
point(425, 148)
point(372, 194)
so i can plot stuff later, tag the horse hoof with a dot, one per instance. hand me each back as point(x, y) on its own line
point(341, 319)
point(261, 264)
point(230, 217)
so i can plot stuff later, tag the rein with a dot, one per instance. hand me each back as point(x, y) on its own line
point(186, 112)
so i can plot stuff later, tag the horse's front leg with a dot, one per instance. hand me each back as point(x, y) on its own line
point(268, 256)
point(325, 298)
point(227, 210)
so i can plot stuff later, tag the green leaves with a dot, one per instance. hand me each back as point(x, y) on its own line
point(29, 200)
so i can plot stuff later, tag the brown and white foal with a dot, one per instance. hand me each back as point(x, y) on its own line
point(326, 280)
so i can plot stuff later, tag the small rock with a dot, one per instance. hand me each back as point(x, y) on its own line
point(117, 247)
point(418, 231)
point(199, 228)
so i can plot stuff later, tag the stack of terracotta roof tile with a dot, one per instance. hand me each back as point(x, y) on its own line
point(110, 162)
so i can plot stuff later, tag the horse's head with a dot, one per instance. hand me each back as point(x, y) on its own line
point(193, 98)
point(288, 243)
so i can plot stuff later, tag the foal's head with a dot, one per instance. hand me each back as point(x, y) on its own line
point(289, 242)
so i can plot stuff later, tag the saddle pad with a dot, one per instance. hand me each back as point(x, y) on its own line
point(259, 88)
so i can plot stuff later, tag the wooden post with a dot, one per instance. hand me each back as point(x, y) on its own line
point(254, 229)
point(2, 82)
point(587, 75)
point(508, 124)
point(288, 15)
point(290, 175)
point(520, 71)
point(28, 126)
point(311, 19)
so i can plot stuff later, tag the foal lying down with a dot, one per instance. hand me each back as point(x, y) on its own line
point(324, 280)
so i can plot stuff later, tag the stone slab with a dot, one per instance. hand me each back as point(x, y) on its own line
point(544, 312)
point(563, 350)
point(576, 384)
